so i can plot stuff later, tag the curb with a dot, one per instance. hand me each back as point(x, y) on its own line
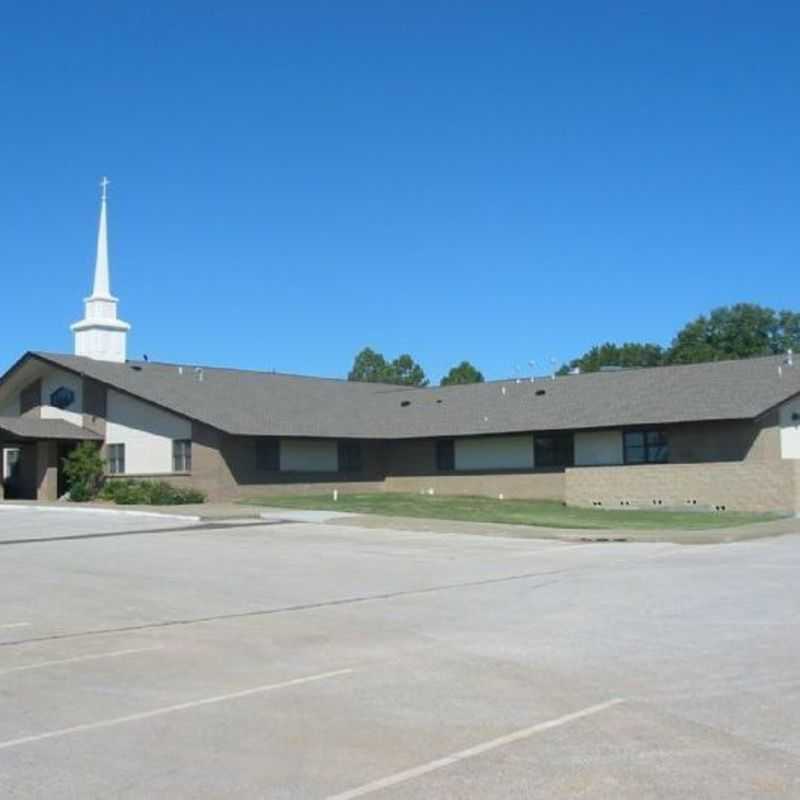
point(115, 511)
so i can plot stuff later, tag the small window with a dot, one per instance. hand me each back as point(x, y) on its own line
point(554, 450)
point(646, 447)
point(182, 455)
point(350, 457)
point(115, 459)
point(268, 455)
point(62, 397)
point(445, 455)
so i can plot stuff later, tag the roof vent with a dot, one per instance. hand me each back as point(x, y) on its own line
point(439, 400)
point(540, 392)
point(405, 403)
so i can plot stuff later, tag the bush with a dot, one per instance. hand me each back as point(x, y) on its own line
point(83, 471)
point(128, 491)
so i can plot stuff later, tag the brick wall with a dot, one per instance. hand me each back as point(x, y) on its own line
point(735, 440)
point(522, 485)
point(751, 485)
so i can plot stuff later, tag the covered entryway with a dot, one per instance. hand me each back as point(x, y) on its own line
point(32, 452)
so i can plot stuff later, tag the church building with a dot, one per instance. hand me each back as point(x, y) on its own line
point(723, 435)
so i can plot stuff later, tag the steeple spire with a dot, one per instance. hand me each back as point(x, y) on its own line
point(100, 335)
point(102, 281)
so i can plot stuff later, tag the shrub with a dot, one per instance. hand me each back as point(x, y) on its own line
point(83, 471)
point(128, 491)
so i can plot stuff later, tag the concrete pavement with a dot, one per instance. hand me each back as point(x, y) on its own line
point(330, 661)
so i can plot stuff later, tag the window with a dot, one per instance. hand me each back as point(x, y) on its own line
point(182, 455)
point(445, 455)
point(115, 459)
point(554, 450)
point(645, 447)
point(268, 455)
point(350, 457)
point(62, 397)
point(10, 463)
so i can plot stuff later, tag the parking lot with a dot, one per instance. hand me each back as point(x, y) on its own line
point(149, 657)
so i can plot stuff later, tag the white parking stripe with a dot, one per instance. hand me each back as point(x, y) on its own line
point(431, 766)
point(157, 712)
point(7, 625)
point(76, 659)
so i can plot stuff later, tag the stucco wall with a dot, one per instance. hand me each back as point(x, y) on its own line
point(54, 379)
point(739, 486)
point(146, 431)
point(494, 453)
point(790, 429)
point(10, 407)
point(598, 447)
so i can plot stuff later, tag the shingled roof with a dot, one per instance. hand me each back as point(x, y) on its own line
point(37, 428)
point(245, 402)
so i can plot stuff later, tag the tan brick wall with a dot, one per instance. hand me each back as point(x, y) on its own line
point(224, 467)
point(752, 485)
point(797, 486)
point(724, 441)
point(46, 470)
point(411, 457)
point(411, 467)
point(95, 398)
point(522, 485)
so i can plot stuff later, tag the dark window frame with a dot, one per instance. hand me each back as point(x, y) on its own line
point(115, 458)
point(181, 455)
point(654, 446)
point(268, 454)
point(446, 455)
point(561, 454)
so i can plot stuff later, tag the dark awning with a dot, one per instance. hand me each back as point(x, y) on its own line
point(37, 428)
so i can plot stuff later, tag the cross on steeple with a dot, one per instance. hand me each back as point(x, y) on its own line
point(104, 188)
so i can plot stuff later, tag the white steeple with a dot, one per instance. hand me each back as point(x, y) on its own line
point(100, 335)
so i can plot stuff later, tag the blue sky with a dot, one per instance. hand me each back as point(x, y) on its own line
point(492, 181)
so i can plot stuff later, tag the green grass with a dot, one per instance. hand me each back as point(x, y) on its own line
point(544, 513)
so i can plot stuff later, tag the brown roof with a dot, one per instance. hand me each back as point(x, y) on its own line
point(263, 403)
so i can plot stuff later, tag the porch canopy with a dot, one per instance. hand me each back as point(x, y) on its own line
point(36, 428)
point(38, 446)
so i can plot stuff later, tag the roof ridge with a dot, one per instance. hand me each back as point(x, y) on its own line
point(192, 365)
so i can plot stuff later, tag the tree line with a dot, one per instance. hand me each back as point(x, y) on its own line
point(743, 330)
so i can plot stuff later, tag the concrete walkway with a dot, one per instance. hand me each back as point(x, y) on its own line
point(199, 512)
point(738, 533)
point(234, 512)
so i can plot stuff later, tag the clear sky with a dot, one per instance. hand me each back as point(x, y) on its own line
point(492, 181)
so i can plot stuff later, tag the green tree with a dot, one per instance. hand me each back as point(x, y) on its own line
point(406, 372)
point(83, 470)
point(629, 354)
point(370, 366)
point(463, 373)
point(739, 331)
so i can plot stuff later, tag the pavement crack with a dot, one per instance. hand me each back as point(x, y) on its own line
point(344, 601)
